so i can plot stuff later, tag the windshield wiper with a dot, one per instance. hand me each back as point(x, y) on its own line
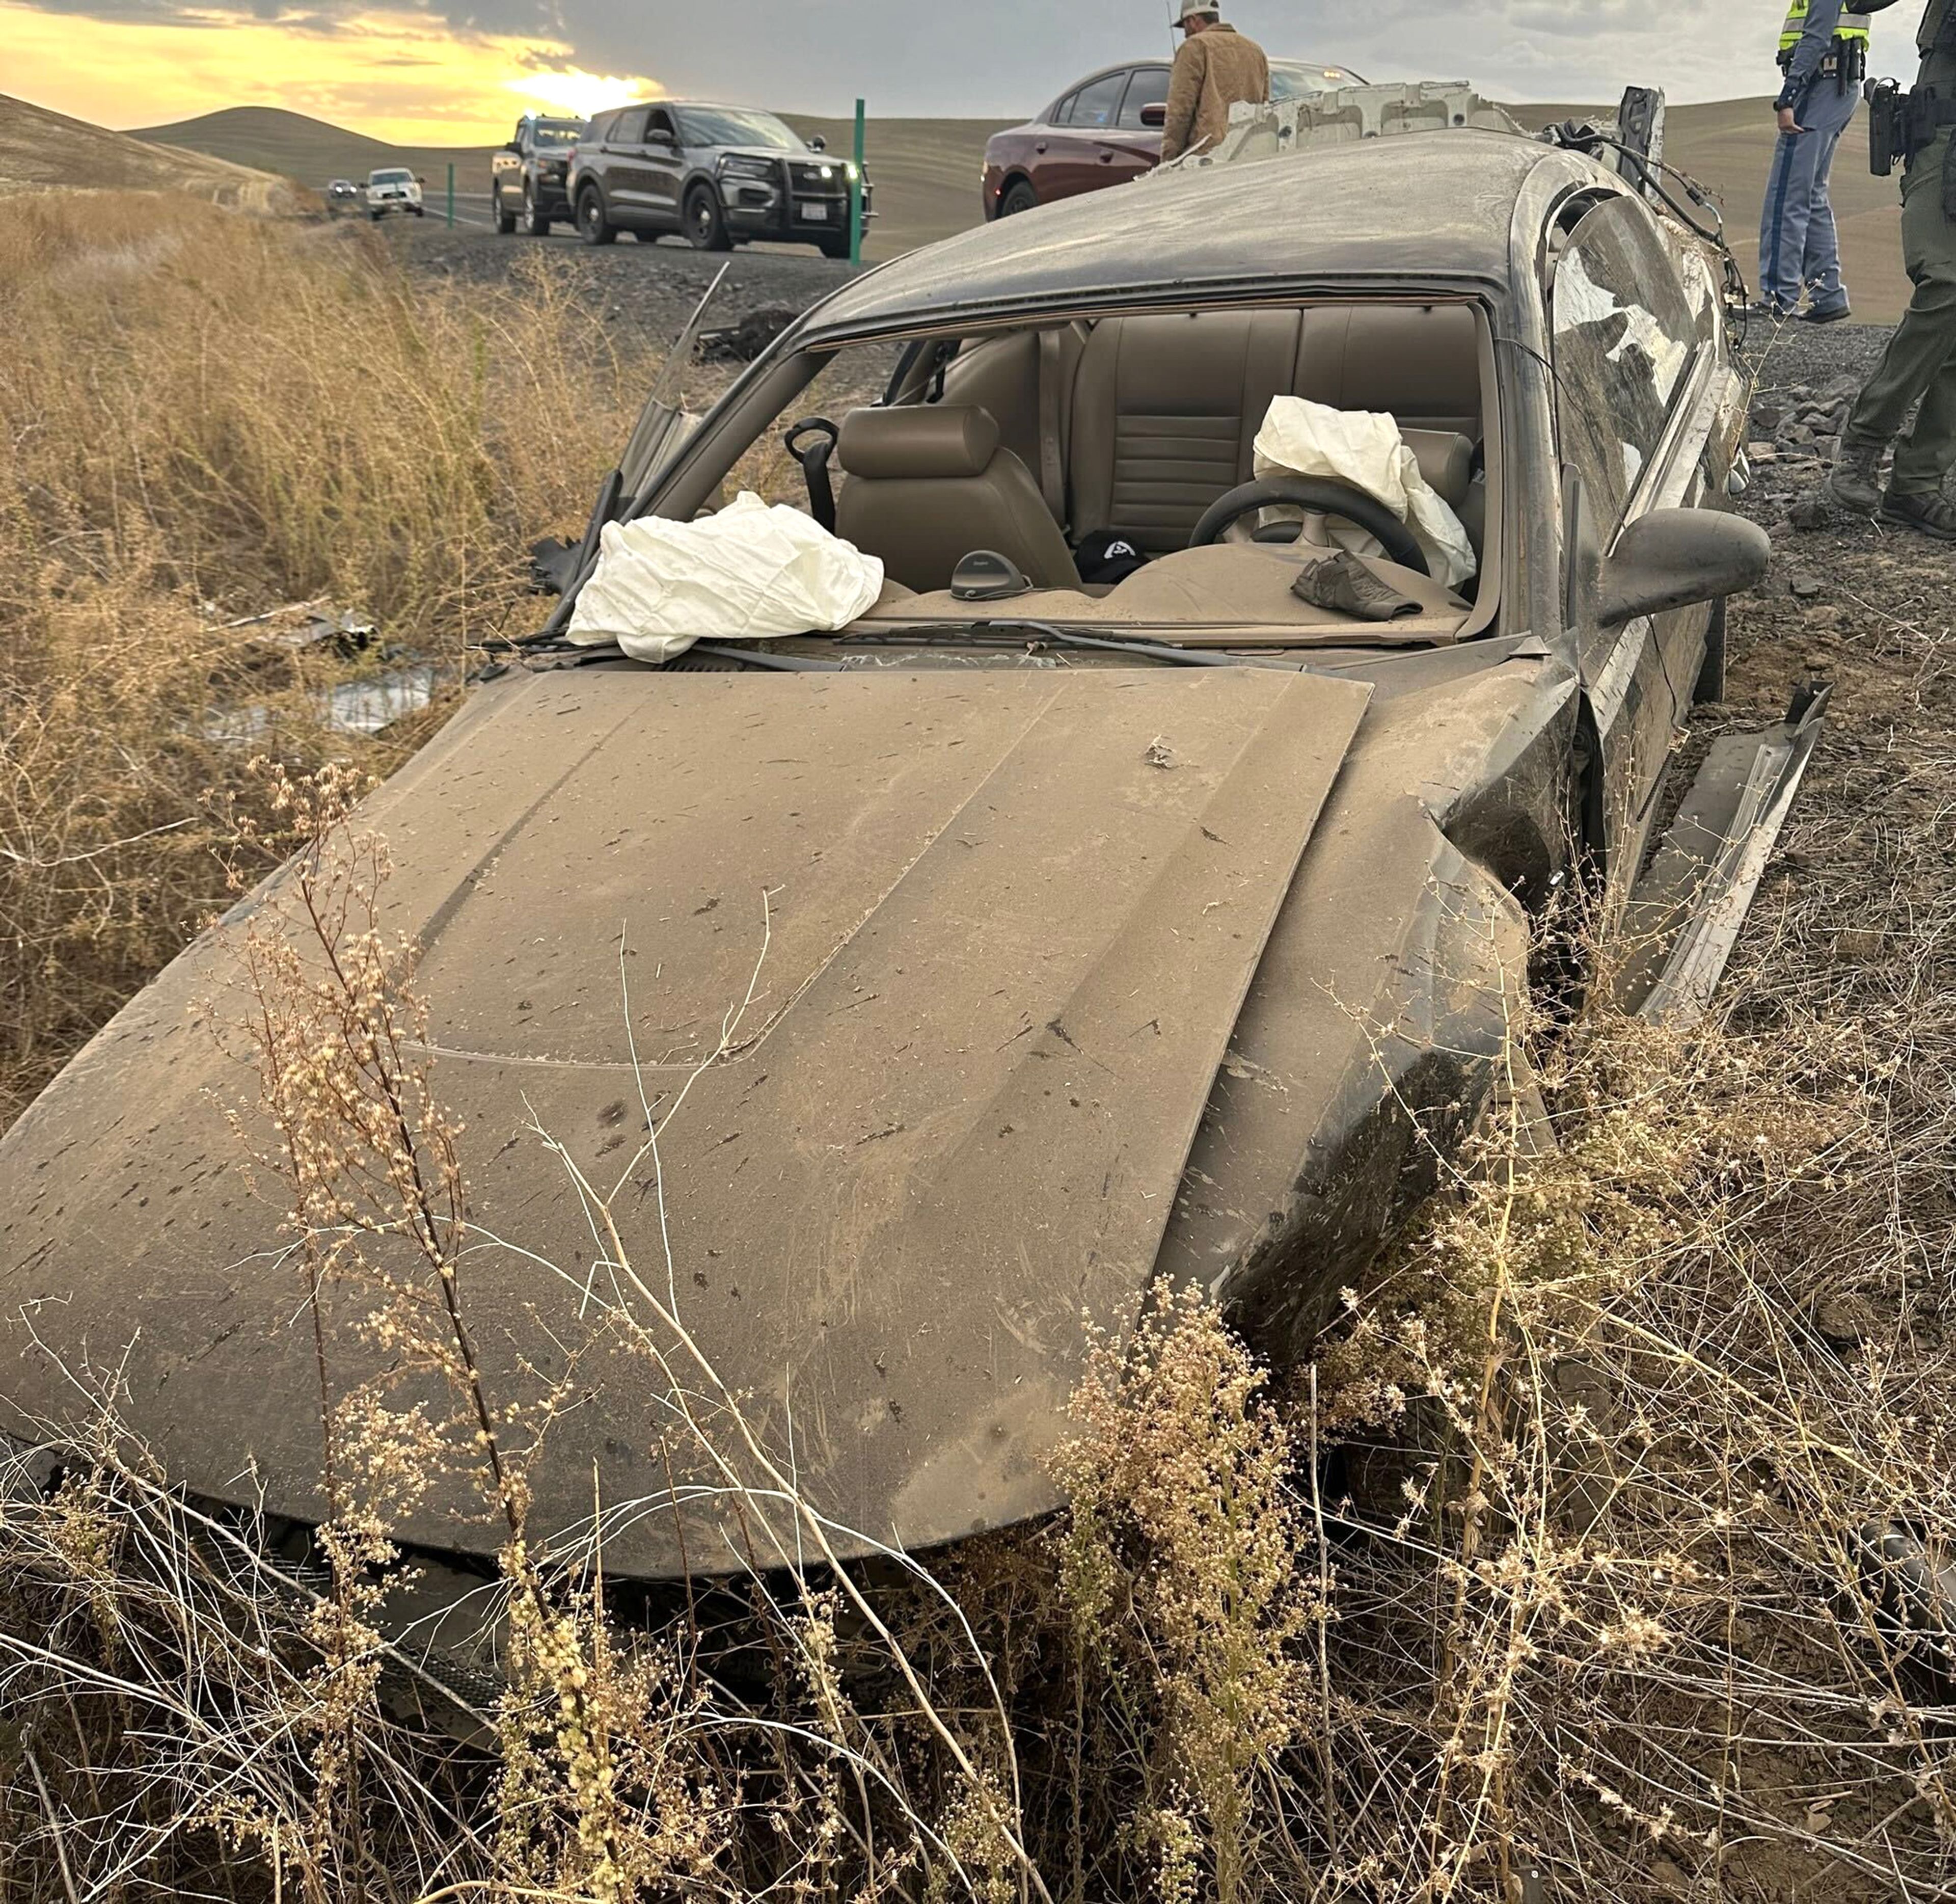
point(1045, 634)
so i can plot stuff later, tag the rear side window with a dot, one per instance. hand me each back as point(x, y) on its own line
point(1625, 335)
point(1148, 87)
point(1098, 107)
point(1063, 113)
point(600, 129)
point(628, 128)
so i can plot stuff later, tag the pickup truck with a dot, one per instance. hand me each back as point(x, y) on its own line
point(529, 176)
point(393, 188)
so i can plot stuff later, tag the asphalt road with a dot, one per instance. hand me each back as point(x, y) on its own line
point(474, 211)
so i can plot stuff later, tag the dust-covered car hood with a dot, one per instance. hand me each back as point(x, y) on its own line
point(1003, 924)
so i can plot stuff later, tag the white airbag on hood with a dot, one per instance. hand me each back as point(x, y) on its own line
point(749, 573)
point(1364, 448)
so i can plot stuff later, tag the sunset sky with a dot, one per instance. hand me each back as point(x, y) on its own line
point(457, 71)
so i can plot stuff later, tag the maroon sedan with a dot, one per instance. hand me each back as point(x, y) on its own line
point(1107, 130)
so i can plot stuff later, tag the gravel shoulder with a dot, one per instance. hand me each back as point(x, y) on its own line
point(645, 291)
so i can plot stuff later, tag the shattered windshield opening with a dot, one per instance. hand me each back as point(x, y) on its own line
point(1314, 474)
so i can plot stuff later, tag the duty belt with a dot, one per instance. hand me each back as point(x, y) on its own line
point(1846, 61)
point(1900, 125)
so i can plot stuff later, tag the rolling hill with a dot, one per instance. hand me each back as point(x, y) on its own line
point(926, 170)
point(40, 150)
point(927, 173)
point(1728, 146)
point(312, 151)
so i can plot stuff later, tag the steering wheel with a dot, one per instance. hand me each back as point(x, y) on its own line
point(1323, 496)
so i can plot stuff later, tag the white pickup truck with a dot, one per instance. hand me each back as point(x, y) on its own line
point(393, 188)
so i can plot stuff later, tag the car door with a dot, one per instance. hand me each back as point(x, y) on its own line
point(664, 170)
point(1134, 146)
point(1079, 159)
point(506, 171)
point(624, 168)
point(1638, 380)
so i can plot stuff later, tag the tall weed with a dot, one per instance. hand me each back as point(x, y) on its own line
point(206, 416)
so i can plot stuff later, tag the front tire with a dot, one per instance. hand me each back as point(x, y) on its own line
point(835, 247)
point(593, 226)
point(705, 222)
point(506, 220)
point(536, 223)
point(1019, 197)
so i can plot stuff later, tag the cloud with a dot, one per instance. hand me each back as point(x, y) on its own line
point(1000, 60)
point(409, 76)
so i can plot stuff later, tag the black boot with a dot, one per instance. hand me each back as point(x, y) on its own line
point(1931, 514)
point(1856, 484)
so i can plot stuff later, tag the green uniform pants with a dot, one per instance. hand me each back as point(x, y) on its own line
point(1921, 359)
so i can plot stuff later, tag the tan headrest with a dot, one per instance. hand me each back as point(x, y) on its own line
point(1446, 460)
point(918, 440)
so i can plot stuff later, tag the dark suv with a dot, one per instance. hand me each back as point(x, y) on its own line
point(721, 175)
point(1107, 129)
point(529, 176)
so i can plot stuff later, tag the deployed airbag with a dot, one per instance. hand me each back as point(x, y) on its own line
point(1364, 448)
point(746, 574)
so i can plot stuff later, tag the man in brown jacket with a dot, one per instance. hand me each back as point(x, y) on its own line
point(1216, 67)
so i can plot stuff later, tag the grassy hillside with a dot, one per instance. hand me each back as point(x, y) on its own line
point(1728, 146)
point(312, 150)
point(40, 149)
point(927, 170)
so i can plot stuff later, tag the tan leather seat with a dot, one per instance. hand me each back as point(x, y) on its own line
point(1421, 363)
point(930, 483)
point(1446, 460)
point(1166, 410)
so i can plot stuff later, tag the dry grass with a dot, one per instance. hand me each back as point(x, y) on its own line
point(206, 416)
point(1543, 1584)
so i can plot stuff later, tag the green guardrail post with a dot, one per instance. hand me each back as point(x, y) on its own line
point(451, 195)
point(856, 188)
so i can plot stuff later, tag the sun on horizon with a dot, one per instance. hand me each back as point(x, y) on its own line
point(402, 76)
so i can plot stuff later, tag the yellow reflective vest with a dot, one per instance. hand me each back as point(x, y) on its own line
point(1854, 26)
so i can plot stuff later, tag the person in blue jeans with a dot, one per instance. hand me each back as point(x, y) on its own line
point(1823, 52)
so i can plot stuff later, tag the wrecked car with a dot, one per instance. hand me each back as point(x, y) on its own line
point(1113, 908)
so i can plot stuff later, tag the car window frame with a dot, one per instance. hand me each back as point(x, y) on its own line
point(1121, 77)
point(1121, 122)
point(1626, 493)
point(1062, 115)
point(628, 127)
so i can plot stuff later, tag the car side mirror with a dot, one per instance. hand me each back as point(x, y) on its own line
point(1677, 558)
point(419, 180)
point(1155, 117)
point(816, 143)
point(515, 145)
